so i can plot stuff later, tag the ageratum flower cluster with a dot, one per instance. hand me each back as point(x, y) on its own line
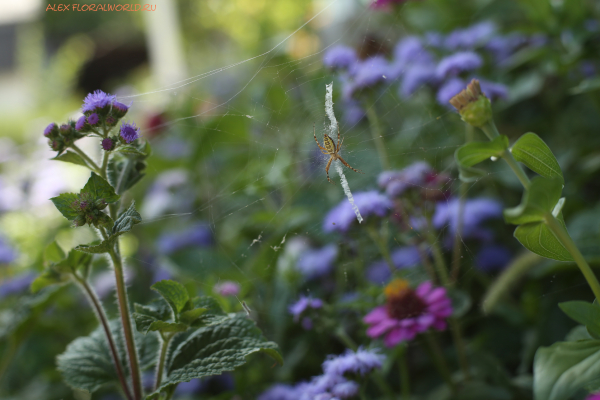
point(444, 63)
point(101, 113)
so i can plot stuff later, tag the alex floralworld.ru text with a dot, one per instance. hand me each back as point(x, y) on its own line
point(101, 7)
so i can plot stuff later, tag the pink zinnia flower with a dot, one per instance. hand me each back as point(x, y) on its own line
point(408, 312)
point(227, 288)
point(593, 396)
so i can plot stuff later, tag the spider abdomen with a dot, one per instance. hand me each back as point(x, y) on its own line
point(329, 144)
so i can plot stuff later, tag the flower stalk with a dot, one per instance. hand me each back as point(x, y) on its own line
point(377, 137)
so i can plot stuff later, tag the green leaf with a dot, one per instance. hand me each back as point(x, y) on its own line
point(565, 367)
point(174, 293)
point(215, 349)
point(145, 315)
point(538, 201)
point(98, 188)
point(71, 157)
point(126, 169)
point(47, 278)
point(126, 221)
point(130, 150)
point(102, 247)
point(579, 332)
point(167, 326)
point(585, 313)
point(532, 151)
point(87, 363)
point(475, 152)
point(64, 204)
point(538, 238)
point(188, 317)
point(53, 253)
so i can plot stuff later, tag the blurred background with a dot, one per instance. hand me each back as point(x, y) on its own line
point(227, 92)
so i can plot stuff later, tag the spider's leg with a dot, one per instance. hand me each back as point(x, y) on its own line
point(346, 164)
point(340, 147)
point(327, 169)
point(323, 150)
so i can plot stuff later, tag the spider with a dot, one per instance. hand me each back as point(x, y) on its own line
point(332, 150)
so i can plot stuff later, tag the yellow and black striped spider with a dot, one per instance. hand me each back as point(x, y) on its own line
point(332, 150)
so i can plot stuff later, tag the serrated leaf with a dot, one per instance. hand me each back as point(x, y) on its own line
point(126, 221)
point(99, 188)
point(188, 317)
point(174, 293)
point(87, 364)
point(565, 367)
point(102, 247)
point(64, 203)
point(538, 201)
point(585, 313)
point(47, 278)
point(53, 253)
point(71, 157)
point(215, 349)
point(532, 151)
point(145, 315)
point(130, 150)
point(538, 238)
point(163, 326)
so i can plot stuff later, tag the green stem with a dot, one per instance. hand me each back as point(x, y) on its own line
point(563, 236)
point(104, 164)
point(435, 351)
point(438, 259)
point(93, 166)
point(460, 346)
point(9, 355)
point(345, 339)
point(377, 137)
point(165, 340)
point(404, 373)
point(515, 270)
point(97, 305)
point(381, 244)
point(492, 132)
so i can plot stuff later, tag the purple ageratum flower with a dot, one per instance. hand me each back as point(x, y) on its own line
point(360, 362)
point(345, 390)
point(93, 119)
point(129, 132)
point(280, 392)
point(409, 52)
point(369, 203)
point(416, 76)
point(448, 90)
point(340, 57)
point(475, 212)
point(196, 235)
point(434, 39)
point(108, 144)
point(457, 63)
point(370, 72)
point(316, 263)
point(80, 123)
point(7, 253)
point(16, 285)
point(227, 288)
point(97, 100)
point(502, 47)
point(397, 182)
point(492, 258)
point(493, 91)
point(353, 112)
point(404, 257)
point(471, 37)
point(304, 303)
point(408, 312)
point(48, 130)
point(120, 107)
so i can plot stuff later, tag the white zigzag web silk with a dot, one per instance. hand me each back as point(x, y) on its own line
point(337, 163)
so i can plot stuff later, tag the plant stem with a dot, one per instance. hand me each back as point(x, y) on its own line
point(97, 305)
point(376, 132)
point(382, 246)
point(93, 166)
point(165, 340)
point(460, 346)
point(438, 359)
point(127, 327)
point(404, 373)
point(345, 339)
point(438, 259)
point(563, 236)
point(491, 132)
point(104, 164)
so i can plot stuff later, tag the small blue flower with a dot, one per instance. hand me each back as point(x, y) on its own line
point(475, 212)
point(403, 257)
point(92, 119)
point(340, 57)
point(16, 285)
point(396, 183)
point(303, 304)
point(129, 132)
point(360, 362)
point(471, 37)
point(198, 235)
point(457, 63)
point(493, 257)
point(493, 90)
point(280, 391)
point(353, 112)
point(416, 76)
point(448, 90)
point(97, 100)
point(369, 203)
point(502, 47)
point(7, 253)
point(409, 52)
point(345, 390)
point(316, 263)
point(80, 123)
point(370, 72)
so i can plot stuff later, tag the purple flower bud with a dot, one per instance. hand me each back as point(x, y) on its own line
point(93, 119)
point(111, 121)
point(129, 132)
point(50, 129)
point(80, 123)
point(108, 144)
point(119, 109)
point(65, 129)
point(97, 101)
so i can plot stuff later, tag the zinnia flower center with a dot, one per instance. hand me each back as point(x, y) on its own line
point(402, 301)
